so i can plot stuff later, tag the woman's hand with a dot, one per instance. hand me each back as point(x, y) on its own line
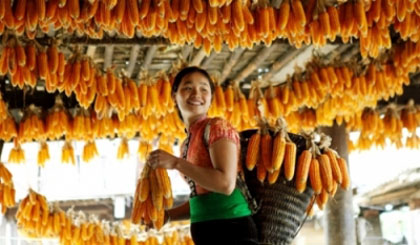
point(162, 159)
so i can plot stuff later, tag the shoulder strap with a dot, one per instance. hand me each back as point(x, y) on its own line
point(240, 179)
point(206, 134)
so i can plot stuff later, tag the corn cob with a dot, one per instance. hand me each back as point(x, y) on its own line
point(326, 172)
point(289, 160)
point(252, 153)
point(345, 184)
point(334, 166)
point(303, 166)
point(315, 176)
point(279, 146)
point(266, 151)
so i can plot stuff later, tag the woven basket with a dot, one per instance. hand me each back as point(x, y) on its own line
point(282, 208)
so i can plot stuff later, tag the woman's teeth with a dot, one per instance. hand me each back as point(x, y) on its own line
point(194, 103)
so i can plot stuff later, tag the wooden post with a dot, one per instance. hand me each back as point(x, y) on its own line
point(340, 223)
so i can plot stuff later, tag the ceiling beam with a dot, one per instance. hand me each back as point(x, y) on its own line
point(208, 60)
point(151, 51)
point(300, 61)
point(91, 49)
point(350, 53)
point(199, 56)
point(255, 62)
point(392, 197)
point(109, 51)
point(283, 60)
point(276, 3)
point(233, 59)
point(133, 58)
point(108, 40)
point(336, 53)
point(138, 39)
point(186, 51)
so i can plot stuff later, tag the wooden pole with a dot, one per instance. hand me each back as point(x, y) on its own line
point(151, 51)
point(340, 222)
point(91, 49)
point(255, 62)
point(133, 58)
point(208, 60)
point(233, 59)
point(109, 50)
point(198, 58)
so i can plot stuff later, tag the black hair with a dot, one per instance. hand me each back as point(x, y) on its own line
point(186, 71)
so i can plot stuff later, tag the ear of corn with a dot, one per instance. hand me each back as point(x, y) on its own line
point(335, 168)
point(326, 172)
point(272, 177)
point(261, 172)
point(279, 147)
point(289, 160)
point(253, 150)
point(303, 165)
point(345, 184)
point(315, 176)
point(266, 151)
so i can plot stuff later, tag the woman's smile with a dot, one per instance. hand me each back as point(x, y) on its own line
point(195, 102)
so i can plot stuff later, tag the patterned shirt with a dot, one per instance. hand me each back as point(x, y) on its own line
point(197, 152)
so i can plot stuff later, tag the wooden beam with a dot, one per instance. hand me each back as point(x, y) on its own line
point(186, 51)
point(199, 56)
point(109, 50)
point(350, 53)
point(149, 56)
point(51, 31)
point(108, 40)
point(138, 39)
point(208, 60)
point(233, 59)
point(276, 3)
point(393, 197)
point(91, 49)
point(133, 58)
point(300, 61)
point(283, 60)
point(255, 62)
point(336, 53)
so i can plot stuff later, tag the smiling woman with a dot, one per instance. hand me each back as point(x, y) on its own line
point(209, 163)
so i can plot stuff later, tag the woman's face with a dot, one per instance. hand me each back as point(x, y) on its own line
point(194, 95)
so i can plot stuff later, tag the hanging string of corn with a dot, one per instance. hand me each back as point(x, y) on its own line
point(273, 154)
point(39, 219)
point(17, 155)
point(79, 75)
point(209, 24)
point(7, 190)
point(376, 130)
point(343, 93)
point(152, 196)
point(43, 154)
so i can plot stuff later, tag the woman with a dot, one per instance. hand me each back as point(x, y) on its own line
point(218, 211)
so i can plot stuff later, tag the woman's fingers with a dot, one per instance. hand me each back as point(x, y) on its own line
point(154, 158)
point(161, 159)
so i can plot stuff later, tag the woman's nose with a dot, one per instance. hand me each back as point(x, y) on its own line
point(195, 91)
